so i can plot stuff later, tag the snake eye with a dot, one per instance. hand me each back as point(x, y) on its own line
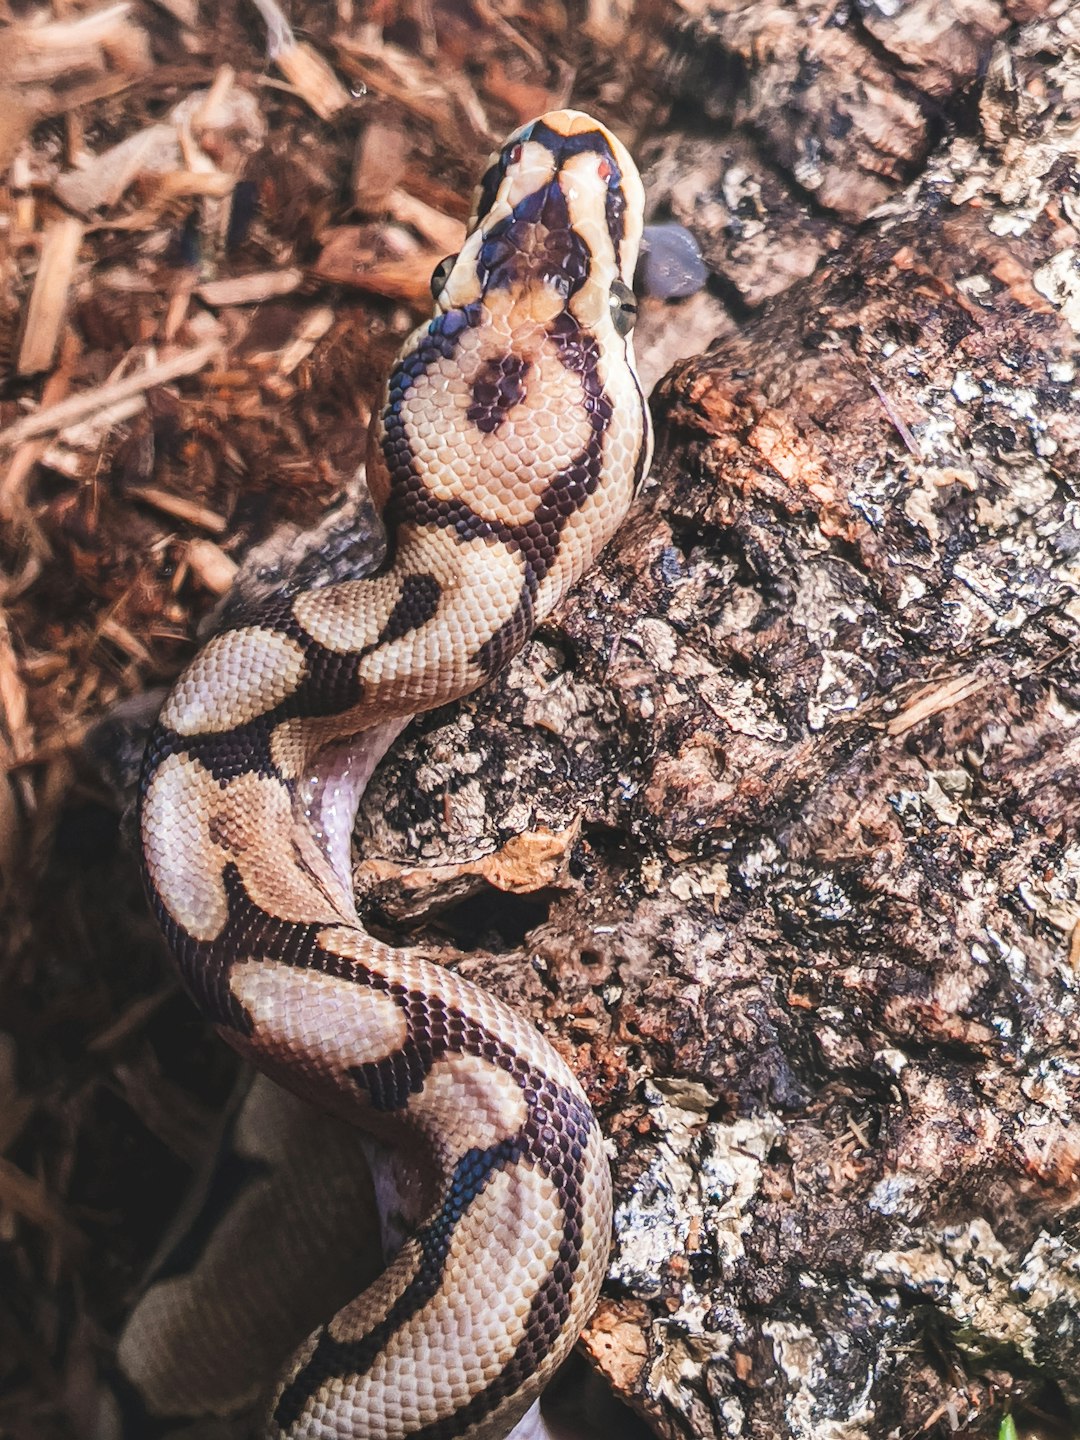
point(623, 304)
point(441, 274)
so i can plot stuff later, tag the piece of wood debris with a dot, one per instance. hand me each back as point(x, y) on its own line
point(379, 161)
point(125, 641)
point(27, 1197)
point(101, 182)
point(213, 569)
point(53, 418)
point(49, 297)
point(102, 39)
point(443, 232)
point(348, 258)
point(934, 700)
point(179, 507)
point(305, 69)
point(314, 326)
point(313, 79)
point(16, 732)
point(14, 482)
point(251, 289)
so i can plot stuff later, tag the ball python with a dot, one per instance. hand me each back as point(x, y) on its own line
point(509, 442)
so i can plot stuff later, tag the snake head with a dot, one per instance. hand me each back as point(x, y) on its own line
point(556, 225)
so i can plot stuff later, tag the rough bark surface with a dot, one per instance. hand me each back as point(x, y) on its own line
point(807, 743)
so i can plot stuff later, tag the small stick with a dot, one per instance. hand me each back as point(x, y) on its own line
point(52, 418)
point(48, 300)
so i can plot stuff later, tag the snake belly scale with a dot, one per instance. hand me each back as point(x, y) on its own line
point(512, 436)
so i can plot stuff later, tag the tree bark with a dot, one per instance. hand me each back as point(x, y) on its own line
point(800, 759)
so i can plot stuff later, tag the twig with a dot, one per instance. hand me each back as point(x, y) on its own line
point(78, 407)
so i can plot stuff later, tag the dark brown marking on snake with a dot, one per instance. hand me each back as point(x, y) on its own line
point(330, 684)
point(417, 603)
point(563, 146)
point(508, 639)
point(536, 241)
point(498, 388)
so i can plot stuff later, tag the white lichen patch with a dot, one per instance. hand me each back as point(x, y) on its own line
point(973, 1278)
point(696, 882)
point(742, 705)
point(843, 683)
point(700, 1181)
point(758, 865)
point(800, 1359)
point(1059, 282)
point(898, 1195)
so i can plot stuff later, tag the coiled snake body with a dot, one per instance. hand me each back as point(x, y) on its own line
point(510, 443)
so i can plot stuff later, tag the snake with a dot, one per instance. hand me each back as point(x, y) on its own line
point(507, 446)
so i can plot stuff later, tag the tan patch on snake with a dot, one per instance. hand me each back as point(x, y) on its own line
point(495, 1103)
point(480, 581)
point(494, 1268)
point(370, 1308)
point(193, 826)
point(324, 1021)
point(237, 676)
point(367, 603)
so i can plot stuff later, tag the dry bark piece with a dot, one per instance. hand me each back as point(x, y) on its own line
point(78, 407)
point(530, 861)
point(382, 152)
point(313, 78)
point(824, 106)
point(352, 255)
point(942, 48)
point(98, 40)
point(209, 563)
point(50, 296)
point(251, 289)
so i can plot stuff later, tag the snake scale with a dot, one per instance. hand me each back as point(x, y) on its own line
point(511, 438)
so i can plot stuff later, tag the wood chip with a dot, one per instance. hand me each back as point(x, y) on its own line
point(443, 232)
point(179, 508)
point(102, 39)
point(20, 110)
point(11, 834)
point(935, 700)
point(52, 418)
point(213, 569)
point(381, 155)
point(250, 289)
point(313, 79)
point(315, 325)
point(27, 1197)
point(111, 629)
point(16, 732)
point(348, 259)
point(14, 482)
point(49, 298)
